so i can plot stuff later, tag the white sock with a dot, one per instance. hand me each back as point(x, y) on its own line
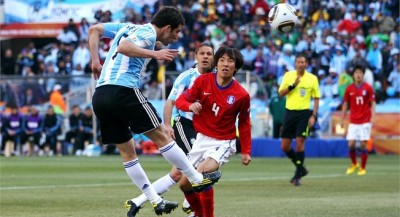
point(139, 177)
point(185, 203)
point(161, 186)
point(174, 155)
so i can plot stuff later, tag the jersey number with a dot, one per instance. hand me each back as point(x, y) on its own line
point(359, 100)
point(215, 109)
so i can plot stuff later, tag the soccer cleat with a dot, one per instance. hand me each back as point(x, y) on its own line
point(186, 210)
point(208, 180)
point(133, 209)
point(351, 169)
point(165, 206)
point(303, 173)
point(362, 172)
point(296, 182)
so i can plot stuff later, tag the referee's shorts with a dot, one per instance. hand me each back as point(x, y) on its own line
point(184, 133)
point(295, 123)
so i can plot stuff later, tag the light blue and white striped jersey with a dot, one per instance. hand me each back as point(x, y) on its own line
point(184, 81)
point(119, 69)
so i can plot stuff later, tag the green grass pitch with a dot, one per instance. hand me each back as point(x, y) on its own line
point(86, 187)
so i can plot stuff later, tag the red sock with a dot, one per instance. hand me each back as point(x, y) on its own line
point(207, 201)
point(353, 156)
point(364, 158)
point(195, 203)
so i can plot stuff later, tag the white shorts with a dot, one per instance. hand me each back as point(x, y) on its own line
point(359, 132)
point(204, 147)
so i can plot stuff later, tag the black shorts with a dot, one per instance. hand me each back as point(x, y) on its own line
point(184, 133)
point(121, 111)
point(295, 124)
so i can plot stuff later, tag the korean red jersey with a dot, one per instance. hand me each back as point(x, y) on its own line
point(220, 108)
point(359, 99)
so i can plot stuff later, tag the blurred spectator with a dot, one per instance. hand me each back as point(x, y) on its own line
point(81, 54)
point(29, 99)
point(67, 36)
point(57, 99)
point(374, 59)
point(13, 127)
point(154, 91)
point(349, 24)
point(394, 80)
point(8, 63)
point(73, 135)
point(87, 127)
point(24, 59)
point(249, 55)
point(271, 61)
point(385, 23)
point(259, 64)
point(51, 129)
point(286, 60)
point(84, 29)
point(277, 111)
point(338, 61)
point(32, 130)
point(345, 79)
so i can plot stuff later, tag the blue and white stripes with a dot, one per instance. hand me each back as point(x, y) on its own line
point(131, 163)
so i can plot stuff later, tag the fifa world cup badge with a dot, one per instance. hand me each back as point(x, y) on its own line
point(302, 92)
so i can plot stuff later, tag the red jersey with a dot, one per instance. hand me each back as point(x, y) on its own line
point(220, 108)
point(359, 99)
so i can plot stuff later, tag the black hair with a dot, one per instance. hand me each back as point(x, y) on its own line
point(232, 53)
point(358, 67)
point(168, 16)
point(302, 55)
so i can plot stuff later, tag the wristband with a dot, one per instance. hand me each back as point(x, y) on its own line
point(291, 87)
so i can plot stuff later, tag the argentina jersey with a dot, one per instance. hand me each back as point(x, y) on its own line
point(184, 81)
point(119, 69)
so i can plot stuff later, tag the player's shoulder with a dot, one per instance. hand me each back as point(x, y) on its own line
point(240, 90)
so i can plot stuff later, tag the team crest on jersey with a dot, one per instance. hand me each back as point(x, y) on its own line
point(230, 100)
point(364, 92)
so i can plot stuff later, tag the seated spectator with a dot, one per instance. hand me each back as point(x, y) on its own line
point(32, 130)
point(51, 129)
point(87, 128)
point(73, 135)
point(11, 141)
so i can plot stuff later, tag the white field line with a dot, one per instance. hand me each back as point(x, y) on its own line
point(129, 183)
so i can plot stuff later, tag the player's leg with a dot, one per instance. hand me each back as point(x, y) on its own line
point(114, 119)
point(161, 186)
point(185, 135)
point(288, 132)
point(351, 137)
point(365, 136)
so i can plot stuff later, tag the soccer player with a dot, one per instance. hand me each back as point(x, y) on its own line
point(361, 98)
point(217, 101)
point(299, 87)
point(182, 130)
point(120, 105)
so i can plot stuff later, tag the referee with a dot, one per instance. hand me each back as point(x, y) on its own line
point(300, 87)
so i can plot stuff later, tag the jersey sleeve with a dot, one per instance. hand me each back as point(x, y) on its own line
point(178, 87)
point(143, 37)
point(284, 83)
point(111, 29)
point(245, 126)
point(190, 95)
point(371, 94)
point(315, 92)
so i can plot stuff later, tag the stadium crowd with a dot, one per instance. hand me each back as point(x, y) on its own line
point(334, 35)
